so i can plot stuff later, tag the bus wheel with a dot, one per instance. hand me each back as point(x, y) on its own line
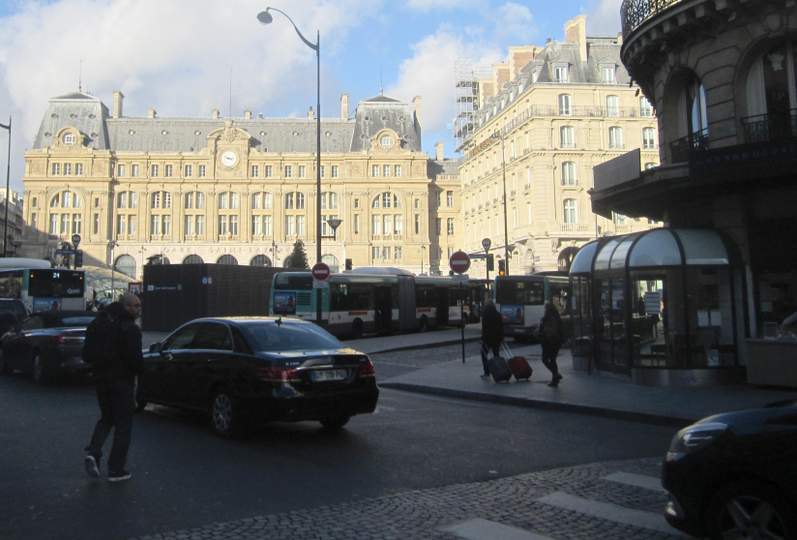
point(423, 326)
point(357, 329)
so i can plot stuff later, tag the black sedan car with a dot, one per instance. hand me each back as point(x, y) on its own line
point(255, 369)
point(46, 344)
point(734, 475)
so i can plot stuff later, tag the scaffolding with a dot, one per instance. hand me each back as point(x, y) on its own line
point(466, 78)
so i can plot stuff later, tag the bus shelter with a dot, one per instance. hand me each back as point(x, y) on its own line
point(659, 305)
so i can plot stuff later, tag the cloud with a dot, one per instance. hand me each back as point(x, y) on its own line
point(515, 21)
point(430, 73)
point(176, 56)
point(429, 5)
point(604, 18)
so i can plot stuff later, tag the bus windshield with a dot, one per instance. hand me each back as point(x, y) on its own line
point(525, 292)
point(293, 282)
point(54, 283)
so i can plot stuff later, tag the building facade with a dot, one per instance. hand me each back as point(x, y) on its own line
point(546, 117)
point(16, 224)
point(722, 78)
point(232, 190)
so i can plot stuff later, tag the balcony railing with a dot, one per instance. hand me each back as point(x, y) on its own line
point(681, 149)
point(635, 12)
point(767, 128)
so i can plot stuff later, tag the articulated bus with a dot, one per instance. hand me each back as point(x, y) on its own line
point(41, 288)
point(521, 301)
point(366, 300)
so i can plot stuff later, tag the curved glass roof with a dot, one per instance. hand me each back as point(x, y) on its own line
point(654, 248)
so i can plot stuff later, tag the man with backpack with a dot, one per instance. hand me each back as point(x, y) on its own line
point(113, 348)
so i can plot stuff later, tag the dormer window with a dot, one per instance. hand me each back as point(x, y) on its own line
point(69, 138)
point(561, 73)
point(608, 72)
point(386, 141)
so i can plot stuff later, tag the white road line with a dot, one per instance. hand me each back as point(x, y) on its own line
point(639, 480)
point(608, 511)
point(481, 529)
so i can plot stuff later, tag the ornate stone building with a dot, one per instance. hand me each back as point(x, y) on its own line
point(233, 190)
point(545, 119)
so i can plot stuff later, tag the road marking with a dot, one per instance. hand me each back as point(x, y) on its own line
point(639, 480)
point(479, 529)
point(608, 511)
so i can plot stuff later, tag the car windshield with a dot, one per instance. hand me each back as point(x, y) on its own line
point(270, 336)
point(76, 320)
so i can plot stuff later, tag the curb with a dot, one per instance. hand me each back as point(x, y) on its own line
point(425, 345)
point(647, 418)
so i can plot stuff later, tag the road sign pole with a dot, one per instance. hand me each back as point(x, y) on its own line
point(462, 318)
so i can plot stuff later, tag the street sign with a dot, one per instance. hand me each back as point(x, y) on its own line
point(76, 240)
point(486, 243)
point(459, 262)
point(321, 271)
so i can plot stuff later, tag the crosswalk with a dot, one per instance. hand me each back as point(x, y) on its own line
point(653, 522)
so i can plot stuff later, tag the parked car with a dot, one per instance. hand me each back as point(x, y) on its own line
point(46, 344)
point(252, 369)
point(734, 475)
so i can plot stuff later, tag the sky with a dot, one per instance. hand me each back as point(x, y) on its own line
point(187, 57)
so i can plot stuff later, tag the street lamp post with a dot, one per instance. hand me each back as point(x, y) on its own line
point(423, 250)
point(112, 245)
point(499, 135)
point(266, 18)
point(8, 178)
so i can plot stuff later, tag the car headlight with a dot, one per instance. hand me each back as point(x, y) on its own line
point(693, 437)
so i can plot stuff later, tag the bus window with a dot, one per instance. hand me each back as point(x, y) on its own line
point(340, 297)
point(293, 281)
point(55, 284)
point(530, 293)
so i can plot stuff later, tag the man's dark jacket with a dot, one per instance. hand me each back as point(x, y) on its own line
point(492, 325)
point(126, 357)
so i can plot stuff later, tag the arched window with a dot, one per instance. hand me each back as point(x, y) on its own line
point(332, 262)
point(569, 173)
point(772, 95)
point(294, 200)
point(126, 265)
point(564, 105)
point(194, 200)
point(261, 200)
point(386, 200)
point(697, 112)
point(570, 213)
point(329, 200)
point(127, 199)
point(65, 199)
point(193, 259)
point(227, 259)
point(228, 200)
point(260, 260)
point(161, 199)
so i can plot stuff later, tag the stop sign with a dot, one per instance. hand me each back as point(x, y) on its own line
point(321, 271)
point(459, 262)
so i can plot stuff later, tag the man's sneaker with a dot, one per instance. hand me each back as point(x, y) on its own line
point(118, 476)
point(90, 462)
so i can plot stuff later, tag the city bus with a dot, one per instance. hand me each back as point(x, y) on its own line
point(41, 288)
point(368, 300)
point(521, 301)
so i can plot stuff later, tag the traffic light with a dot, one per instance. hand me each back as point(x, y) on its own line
point(79, 258)
point(501, 267)
point(348, 264)
point(490, 262)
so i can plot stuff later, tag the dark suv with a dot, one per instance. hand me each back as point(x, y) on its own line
point(734, 475)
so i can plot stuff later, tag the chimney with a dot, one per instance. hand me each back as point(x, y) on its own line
point(576, 32)
point(439, 154)
point(152, 113)
point(310, 114)
point(344, 106)
point(215, 114)
point(416, 105)
point(118, 99)
point(247, 115)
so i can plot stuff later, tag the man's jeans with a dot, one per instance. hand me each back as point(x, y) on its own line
point(115, 398)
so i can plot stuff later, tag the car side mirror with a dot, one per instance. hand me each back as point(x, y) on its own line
point(156, 347)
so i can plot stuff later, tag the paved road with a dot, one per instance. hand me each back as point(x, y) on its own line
point(184, 477)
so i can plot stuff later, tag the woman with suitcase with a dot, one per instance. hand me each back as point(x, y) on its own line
point(551, 336)
point(492, 334)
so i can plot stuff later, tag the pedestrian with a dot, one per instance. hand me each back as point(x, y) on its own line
point(492, 333)
point(551, 336)
point(119, 360)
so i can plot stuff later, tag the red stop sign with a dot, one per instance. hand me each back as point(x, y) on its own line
point(321, 271)
point(459, 262)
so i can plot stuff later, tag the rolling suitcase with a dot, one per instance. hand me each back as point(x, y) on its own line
point(518, 365)
point(498, 369)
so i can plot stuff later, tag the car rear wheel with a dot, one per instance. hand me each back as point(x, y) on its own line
point(225, 415)
point(749, 510)
point(334, 423)
point(39, 372)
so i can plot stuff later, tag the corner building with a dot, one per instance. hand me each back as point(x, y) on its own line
point(232, 190)
point(549, 115)
point(722, 78)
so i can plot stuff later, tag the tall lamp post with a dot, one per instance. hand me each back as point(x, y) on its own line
point(112, 244)
point(499, 135)
point(266, 18)
point(8, 177)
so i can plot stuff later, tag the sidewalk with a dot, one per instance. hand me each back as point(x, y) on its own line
point(597, 394)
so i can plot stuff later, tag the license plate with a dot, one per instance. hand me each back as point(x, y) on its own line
point(328, 375)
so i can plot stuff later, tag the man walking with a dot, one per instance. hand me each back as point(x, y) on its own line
point(492, 333)
point(113, 346)
point(552, 336)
